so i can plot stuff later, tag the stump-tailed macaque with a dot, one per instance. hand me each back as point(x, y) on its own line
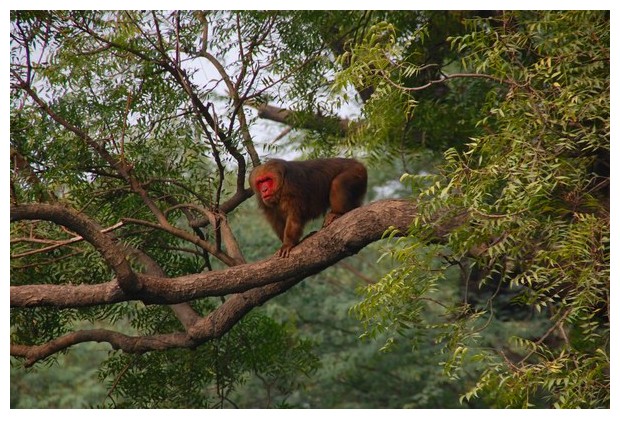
point(290, 193)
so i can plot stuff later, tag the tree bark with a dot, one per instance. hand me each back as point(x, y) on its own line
point(344, 237)
point(302, 120)
point(246, 286)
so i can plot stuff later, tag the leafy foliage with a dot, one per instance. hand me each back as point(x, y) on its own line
point(497, 123)
point(108, 75)
point(536, 189)
point(207, 376)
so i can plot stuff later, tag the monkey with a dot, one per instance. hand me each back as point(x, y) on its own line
point(291, 193)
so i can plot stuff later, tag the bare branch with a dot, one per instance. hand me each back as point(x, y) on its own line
point(129, 344)
point(185, 235)
point(443, 78)
point(56, 244)
point(340, 126)
point(344, 237)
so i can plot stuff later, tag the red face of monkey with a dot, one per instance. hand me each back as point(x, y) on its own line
point(266, 180)
point(267, 186)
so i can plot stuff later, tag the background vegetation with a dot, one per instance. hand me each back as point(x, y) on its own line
point(496, 125)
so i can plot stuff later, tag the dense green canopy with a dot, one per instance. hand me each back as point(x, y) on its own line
point(137, 253)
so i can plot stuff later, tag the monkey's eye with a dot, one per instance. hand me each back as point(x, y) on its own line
point(265, 182)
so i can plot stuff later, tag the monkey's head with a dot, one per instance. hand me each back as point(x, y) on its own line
point(266, 181)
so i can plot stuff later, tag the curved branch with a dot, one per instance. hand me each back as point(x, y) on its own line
point(258, 282)
point(344, 237)
point(129, 344)
point(443, 78)
point(84, 226)
point(222, 319)
point(200, 331)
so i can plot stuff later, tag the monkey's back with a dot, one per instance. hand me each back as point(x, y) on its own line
point(308, 183)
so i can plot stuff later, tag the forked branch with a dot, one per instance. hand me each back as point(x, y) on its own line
point(246, 286)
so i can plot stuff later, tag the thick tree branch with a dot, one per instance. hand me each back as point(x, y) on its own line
point(255, 284)
point(345, 237)
point(199, 330)
point(129, 344)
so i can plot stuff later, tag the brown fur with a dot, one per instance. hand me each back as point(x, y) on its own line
point(304, 190)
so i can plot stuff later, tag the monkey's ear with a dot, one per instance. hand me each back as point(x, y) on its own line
point(280, 169)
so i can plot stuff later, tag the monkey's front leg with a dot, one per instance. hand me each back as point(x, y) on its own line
point(292, 233)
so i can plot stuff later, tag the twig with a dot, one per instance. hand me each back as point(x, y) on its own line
point(57, 243)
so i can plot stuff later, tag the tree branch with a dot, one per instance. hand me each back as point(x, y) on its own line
point(294, 119)
point(345, 237)
point(130, 344)
point(200, 331)
point(83, 225)
point(188, 236)
point(251, 285)
point(55, 244)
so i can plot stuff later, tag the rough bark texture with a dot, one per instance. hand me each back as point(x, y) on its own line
point(245, 286)
point(344, 237)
